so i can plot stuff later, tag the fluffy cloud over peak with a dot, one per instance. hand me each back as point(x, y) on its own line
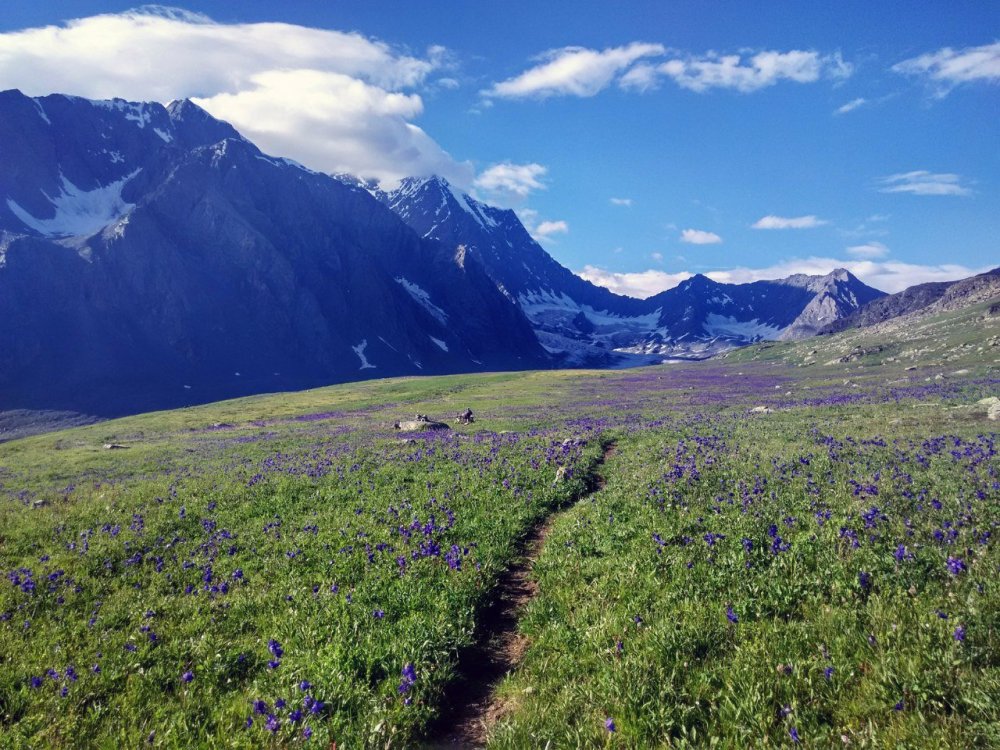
point(333, 100)
point(868, 250)
point(512, 180)
point(576, 71)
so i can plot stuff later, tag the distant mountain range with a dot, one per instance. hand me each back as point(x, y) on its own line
point(152, 257)
point(922, 299)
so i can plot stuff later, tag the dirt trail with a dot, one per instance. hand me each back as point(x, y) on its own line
point(474, 706)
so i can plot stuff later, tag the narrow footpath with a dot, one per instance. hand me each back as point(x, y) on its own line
point(474, 707)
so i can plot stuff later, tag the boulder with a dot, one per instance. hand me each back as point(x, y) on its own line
point(421, 423)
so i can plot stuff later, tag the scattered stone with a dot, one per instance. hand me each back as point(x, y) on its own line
point(465, 417)
point(115, 447)
point(761, 410)
point(993, 412)
point(560, 474)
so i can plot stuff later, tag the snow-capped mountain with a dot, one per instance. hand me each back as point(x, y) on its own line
point(584, 324)
point(151, 256)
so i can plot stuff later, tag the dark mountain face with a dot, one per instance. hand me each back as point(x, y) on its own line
point(584, 324)
point(152, 257)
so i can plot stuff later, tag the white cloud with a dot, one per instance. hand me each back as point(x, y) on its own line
point(516, 180)
point(700, 237)
point(922, 182)
point(540, 231)
point(547, 228)
point(641, 284)
point(332, 100)
point(658, 257)
point(850, 106)
point(889, 276)
point(621, 201)
point(782, 222)
point(948, 68)
point(868, 250)
point(733, 71)
point(575, 71)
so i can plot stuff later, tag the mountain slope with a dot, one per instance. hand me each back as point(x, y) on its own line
point(932, 297)
point(151, 256)
point(584, 324)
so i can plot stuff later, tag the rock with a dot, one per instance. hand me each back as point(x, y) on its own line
point(421, 423)
point(993, 412)
point(761, 410)
point(114, 447)
point(560, 475)
point(988, 401)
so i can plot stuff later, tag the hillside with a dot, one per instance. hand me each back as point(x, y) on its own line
point(283, 568)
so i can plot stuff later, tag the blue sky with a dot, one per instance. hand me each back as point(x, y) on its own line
point(641, 142)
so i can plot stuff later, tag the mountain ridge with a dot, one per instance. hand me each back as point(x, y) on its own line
point(152, 256)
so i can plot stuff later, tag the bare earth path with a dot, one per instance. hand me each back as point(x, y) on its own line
point(474, 707)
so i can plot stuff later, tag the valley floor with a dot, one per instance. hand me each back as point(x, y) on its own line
point(778, 555)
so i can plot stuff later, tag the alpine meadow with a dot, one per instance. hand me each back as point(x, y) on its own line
point(578, 376)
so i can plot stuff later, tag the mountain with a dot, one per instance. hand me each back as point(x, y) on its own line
point(150, 256)
point(583, 324)
point(576, 321)
point(929, 298)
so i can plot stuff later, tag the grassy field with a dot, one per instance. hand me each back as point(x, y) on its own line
point(794, 545)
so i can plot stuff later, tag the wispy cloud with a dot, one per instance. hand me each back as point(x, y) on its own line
point(889, 276)
point(744, 74)
point(948, 67)
point(518, 180)
point(621, 201)
point(922, 182)
point(700, 237)
point(641, 66)
point(783, 222)
point(868, 250)
point(335, 101)
point(850, 106)
point(573, 71)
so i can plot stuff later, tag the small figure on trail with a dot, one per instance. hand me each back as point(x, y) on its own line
point(465, 417)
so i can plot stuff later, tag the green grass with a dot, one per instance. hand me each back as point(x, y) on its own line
point(284, 517)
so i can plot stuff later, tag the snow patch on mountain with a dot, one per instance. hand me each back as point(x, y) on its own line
point(78, 212)
point(360, 351)
point(750, 330)
point(441, 345)
point(137, 112)
point(422, 298)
